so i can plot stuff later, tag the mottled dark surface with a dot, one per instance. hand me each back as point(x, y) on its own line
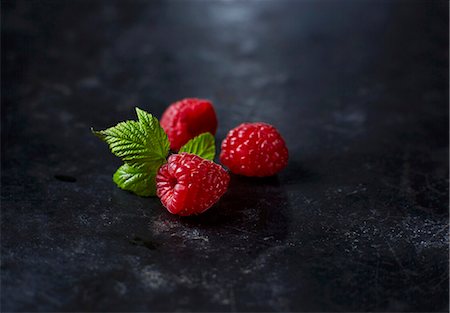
point(358, 221)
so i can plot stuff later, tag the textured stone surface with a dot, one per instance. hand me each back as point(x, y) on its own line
point(358, 220)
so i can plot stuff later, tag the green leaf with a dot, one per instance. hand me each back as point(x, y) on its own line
point(155, 133)
point(136, 180)
point(203, 145)
point(142, 144)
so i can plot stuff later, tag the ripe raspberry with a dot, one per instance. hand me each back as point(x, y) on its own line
point(188, 184)
point(185, 119)
point(254, 149)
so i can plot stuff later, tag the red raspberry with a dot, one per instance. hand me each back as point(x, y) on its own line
point(185, 119)
point(254, 149)
point(188, 184)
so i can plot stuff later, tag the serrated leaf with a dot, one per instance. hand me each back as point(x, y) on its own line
point(155, 133)
point(203, 145)
point(142, 144)
point(139, 181)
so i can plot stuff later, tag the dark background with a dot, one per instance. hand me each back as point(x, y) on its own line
point(358, 221)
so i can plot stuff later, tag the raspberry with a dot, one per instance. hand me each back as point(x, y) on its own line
point(188, 184)
point(254, 149)
point(185, 119)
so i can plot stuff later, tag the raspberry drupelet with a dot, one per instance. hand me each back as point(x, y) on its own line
point(254, 149)
point(187, 118)
point(188, 184)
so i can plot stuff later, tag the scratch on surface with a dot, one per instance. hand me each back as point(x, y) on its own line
point(265, 240)
point(430, 185)
point(406, 187)
point(397, 259)
point(444, 228)
point(443, 278)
